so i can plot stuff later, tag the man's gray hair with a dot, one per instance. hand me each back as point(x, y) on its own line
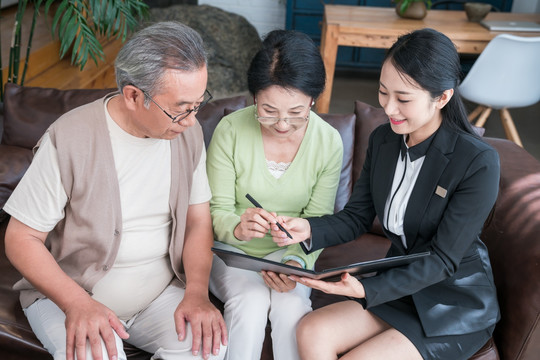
point(143, 59)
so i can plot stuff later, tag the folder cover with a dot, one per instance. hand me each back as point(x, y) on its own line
point(247, 262)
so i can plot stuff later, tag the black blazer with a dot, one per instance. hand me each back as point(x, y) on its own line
point(453, 288)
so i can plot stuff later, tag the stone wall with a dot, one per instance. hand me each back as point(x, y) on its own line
point(264, 15)
point(165, 3)
point(230, 40)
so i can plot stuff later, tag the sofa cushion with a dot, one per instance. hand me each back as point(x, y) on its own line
point(368, 118)
point(14, 161)
point(28, 111)
point(212, 113)
point(345, 125)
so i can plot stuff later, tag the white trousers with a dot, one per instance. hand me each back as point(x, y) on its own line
point(152, 329)
point(249, 303)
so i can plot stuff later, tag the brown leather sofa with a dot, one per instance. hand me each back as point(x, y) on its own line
point(511, 233)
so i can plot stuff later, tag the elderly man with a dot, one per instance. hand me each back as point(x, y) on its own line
point(110, 226)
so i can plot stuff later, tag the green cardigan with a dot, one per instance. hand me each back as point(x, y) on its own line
point(236, 165)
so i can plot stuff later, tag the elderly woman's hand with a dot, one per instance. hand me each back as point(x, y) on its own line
point(280, 282)
point(254, 223)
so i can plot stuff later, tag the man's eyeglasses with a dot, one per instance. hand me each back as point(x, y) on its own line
point(206, 98)
point(269, 120)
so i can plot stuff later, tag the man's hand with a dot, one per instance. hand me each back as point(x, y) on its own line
point(280, 282)
point(207, 324)
point(90, 320)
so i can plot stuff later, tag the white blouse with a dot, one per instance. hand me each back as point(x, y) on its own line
point(277, 169)
point(405, 176)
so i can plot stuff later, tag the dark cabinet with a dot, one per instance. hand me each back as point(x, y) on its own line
point(306, 16)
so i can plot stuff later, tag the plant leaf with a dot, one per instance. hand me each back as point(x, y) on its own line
point(79, 23)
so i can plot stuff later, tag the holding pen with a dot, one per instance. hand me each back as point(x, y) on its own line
point(256, 204)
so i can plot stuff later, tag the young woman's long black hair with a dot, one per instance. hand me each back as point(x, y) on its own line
point(430, 59)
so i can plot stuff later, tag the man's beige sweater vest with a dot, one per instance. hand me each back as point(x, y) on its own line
point(85, 243)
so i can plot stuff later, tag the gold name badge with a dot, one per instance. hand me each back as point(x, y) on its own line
point(441, 191)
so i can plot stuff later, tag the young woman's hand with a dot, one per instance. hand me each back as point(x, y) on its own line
point(347, 286)
point(299, 229)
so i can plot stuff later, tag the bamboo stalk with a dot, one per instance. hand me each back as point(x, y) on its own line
point(37, 5)
point(14, 51)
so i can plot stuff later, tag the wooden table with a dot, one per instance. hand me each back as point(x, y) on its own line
point(378, 27)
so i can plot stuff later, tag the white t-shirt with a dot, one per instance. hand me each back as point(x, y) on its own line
point(142, 267)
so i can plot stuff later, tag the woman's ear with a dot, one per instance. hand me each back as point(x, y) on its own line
point(445, 98)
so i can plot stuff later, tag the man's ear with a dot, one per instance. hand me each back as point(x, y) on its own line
point(445, 98)
point(133, 97)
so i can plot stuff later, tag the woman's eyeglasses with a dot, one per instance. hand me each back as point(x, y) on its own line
point(270, 120)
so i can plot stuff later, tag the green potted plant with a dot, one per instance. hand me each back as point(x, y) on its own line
point(78, 24)
point(412, 9)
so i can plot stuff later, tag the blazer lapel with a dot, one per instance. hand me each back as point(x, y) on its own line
point(383, 176)
point(426, 184)
point(383, 173)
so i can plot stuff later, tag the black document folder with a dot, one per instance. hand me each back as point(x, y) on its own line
point(252, 263)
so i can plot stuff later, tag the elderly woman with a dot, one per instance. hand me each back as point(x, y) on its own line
point(289, 160)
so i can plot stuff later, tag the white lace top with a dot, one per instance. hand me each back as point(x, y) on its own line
point(277, 169)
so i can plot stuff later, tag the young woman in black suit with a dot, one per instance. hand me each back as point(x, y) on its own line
point(432, 183)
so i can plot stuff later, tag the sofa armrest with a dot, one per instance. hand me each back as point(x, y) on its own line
point(1, 120)
point(17, 341)
point(512, 237)
point(28, 111)
point(14, 161)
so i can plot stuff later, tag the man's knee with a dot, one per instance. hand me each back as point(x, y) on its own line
point(186, 354)
point(121, 355)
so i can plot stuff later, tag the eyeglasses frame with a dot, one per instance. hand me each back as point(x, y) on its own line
point(286, 119)
point(182, 116)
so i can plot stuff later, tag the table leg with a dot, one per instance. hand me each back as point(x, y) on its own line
point(329, 46)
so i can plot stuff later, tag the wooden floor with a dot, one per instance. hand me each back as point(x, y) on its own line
point(45, 69)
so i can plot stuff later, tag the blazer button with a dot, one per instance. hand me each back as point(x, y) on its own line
point(116, 232)
point(105, 267)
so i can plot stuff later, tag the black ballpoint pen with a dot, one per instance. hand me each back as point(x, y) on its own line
point(254, 202)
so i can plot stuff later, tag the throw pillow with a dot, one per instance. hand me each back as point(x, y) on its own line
point(345, 125)
point(368, 119)
point(211, 114)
